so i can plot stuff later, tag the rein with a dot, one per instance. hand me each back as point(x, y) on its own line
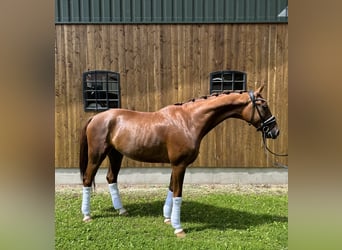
point(266, 148)
point(265, 124)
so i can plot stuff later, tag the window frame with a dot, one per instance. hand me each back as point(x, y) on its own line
point(224, 84)
point(98, 92)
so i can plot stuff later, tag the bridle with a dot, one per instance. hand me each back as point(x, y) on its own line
point(265, 125)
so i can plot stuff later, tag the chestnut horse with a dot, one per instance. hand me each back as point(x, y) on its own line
point(172, 135)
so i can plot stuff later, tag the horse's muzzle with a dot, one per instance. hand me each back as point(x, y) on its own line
point(272, 133)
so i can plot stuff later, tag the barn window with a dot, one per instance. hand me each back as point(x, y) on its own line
point(227, 80)
point(101, 90)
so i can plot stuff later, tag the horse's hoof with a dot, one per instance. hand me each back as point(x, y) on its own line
point(181, 234)
point(86, 218)
point(167, 221)
point(123, 213)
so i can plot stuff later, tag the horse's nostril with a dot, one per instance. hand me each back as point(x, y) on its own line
point(277, 133)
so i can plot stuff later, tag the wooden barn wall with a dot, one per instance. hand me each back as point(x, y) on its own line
point(164, 64)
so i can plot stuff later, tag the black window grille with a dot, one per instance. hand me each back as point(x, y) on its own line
point(227, 80)
point(101, 90)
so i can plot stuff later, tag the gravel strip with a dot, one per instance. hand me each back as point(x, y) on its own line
point(190, 188)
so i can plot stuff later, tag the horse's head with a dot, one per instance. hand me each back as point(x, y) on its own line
point(260, 115)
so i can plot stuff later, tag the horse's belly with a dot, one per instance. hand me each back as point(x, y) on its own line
point(148, 155)
point(156, 152)
point(141, 143)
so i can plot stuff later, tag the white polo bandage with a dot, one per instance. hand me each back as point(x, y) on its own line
point(86, 201)
point(168, 205)
point(114, 192)
point(175, 214)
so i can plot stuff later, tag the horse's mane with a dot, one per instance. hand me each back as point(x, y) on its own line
point(225, 92)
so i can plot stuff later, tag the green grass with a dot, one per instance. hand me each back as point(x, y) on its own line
point(213, 220)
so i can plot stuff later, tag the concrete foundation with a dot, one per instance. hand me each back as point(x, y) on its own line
point(192, 176)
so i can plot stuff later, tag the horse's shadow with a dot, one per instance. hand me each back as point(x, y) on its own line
point(203, 215)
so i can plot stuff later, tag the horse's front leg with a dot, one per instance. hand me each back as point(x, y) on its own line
point(177, 178)
point(167, 208)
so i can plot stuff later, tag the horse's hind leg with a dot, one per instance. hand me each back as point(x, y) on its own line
point(94, 162)
point(115, 159)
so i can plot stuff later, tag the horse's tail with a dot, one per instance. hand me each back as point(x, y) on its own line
point(84, 149)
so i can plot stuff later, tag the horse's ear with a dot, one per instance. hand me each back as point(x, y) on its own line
point(258, 91)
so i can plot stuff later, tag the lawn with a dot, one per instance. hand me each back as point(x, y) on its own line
point(213, 218)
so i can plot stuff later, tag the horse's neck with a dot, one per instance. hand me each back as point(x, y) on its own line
point(207, 114)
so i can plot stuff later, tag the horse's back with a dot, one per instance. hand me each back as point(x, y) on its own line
point(145, 136)
point(137, 135)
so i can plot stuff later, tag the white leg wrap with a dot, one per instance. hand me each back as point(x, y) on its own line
point(86, 201)
point(175, 214)
point(114, 192)
point(168, 205)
